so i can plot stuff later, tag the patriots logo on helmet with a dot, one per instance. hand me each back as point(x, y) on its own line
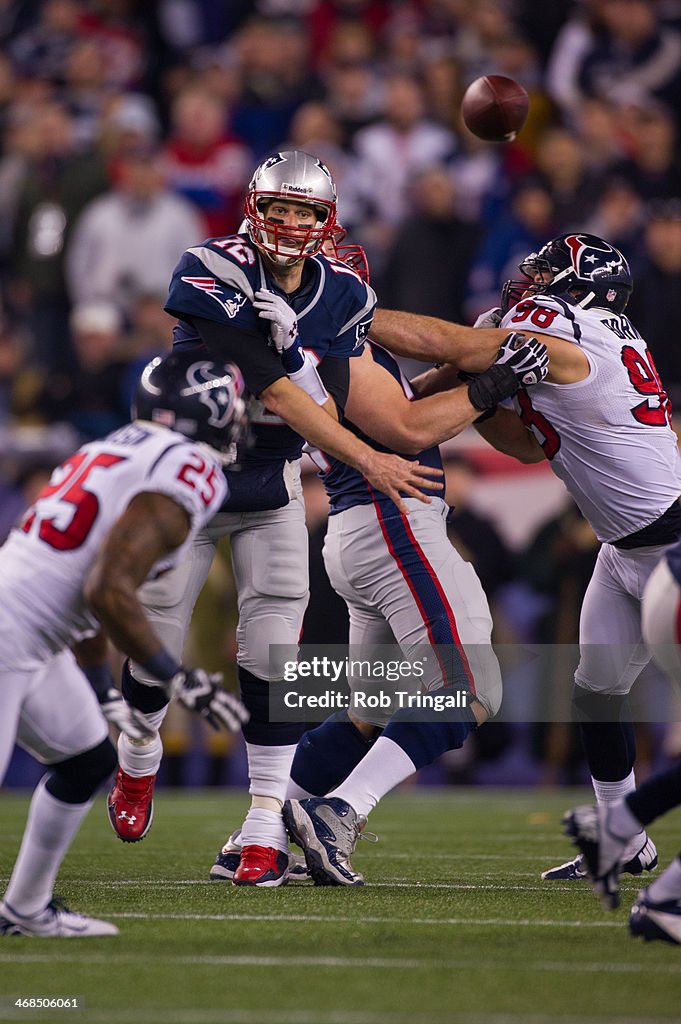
point(210, 286)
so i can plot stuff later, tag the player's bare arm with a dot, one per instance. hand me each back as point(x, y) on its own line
point(378, 405)
point(468, 348)
point(388, 473)
point(152, 526)
point(506, 432)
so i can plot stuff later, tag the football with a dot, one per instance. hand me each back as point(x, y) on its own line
point(495, 108)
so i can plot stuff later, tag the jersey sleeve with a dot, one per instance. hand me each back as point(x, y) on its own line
point(216, 284)
point(259, 363)
point(187, 474)
point(356, 309)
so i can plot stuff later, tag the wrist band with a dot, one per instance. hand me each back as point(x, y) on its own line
point(99, 677)
point(161, 665)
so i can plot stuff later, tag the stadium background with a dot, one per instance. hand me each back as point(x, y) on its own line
point(128, 131)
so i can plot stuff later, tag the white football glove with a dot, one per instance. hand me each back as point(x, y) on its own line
point(200, 692)
point(283, 320)
point(527, 357)
point(127, 719)
point(490, 318)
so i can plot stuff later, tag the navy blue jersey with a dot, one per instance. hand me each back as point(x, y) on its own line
point(345, 486)
point(216, 281)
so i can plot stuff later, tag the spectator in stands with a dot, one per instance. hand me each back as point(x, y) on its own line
point(433, 238)
point(204, 162)
point(57, 183)
point(617, 50)
point(654, 308)
point(127, 241)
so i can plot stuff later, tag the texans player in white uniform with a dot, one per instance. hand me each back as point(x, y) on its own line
point(602, 832)
point(602, 419)
point(118, 510)
point(226, 293)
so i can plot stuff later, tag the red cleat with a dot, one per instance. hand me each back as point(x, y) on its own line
point(130, 806)
point(263, 866)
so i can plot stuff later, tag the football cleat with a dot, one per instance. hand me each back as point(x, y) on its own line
point(639, 855)
point(54, 922)
point(603, 851)
point(227, 861)
point(263, 866)
point(652, 921)
point(327, 830)
point(130, 806)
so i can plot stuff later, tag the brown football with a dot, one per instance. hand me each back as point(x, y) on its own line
point(495, 108)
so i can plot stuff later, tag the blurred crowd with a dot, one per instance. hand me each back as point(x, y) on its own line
point(129, 130)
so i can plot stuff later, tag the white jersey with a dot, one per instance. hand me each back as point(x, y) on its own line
point(609, 436)
point(45, 560)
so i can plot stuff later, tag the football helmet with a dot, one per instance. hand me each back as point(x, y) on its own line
point(353, 255)
point(291, 176)
point(582, 268)
point(195, 395)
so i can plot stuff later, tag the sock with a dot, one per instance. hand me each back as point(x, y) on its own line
point(296, 792)
point(666, 886)
point(325, 756)
point(49, 832)
point(268, 771)
point(138, 759)
point(264, 828)
point(608, 792)
point(622, 822)
point(383, 768)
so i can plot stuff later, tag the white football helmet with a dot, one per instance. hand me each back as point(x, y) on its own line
point(293, 176)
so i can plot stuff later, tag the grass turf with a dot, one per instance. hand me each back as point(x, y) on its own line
point(454, 925)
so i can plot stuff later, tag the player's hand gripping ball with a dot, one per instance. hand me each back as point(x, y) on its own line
point(495, 108)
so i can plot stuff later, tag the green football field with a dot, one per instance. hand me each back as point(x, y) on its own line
point(454, 925)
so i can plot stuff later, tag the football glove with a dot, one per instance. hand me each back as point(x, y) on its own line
point(527, 357)
point(521, 361)
point(127, 719)
point(283, 328)
point(490, 318)
point(200, 692)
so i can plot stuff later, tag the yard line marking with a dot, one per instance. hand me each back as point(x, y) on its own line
point(196, 1016)
point(399, 883)
point(356, 963)
point(326, 919)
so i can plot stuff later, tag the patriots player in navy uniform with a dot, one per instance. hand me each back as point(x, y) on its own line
point(224, 293)
point(403, 582)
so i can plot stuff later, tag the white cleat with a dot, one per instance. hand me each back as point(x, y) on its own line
point(54, 922)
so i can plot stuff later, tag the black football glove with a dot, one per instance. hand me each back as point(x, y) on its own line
point(200, 692)
point(521, 362)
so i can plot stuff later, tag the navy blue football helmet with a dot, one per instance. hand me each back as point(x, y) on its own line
point(582, 268)
point(195, 395)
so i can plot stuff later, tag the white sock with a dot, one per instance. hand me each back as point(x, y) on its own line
point(608, 792)
point(379, 771)
point(296, 792)
point(668, 885)
point(138, 759)
point(269, 769)
point(622, 822)
point(264, 828)
point(49, 832)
